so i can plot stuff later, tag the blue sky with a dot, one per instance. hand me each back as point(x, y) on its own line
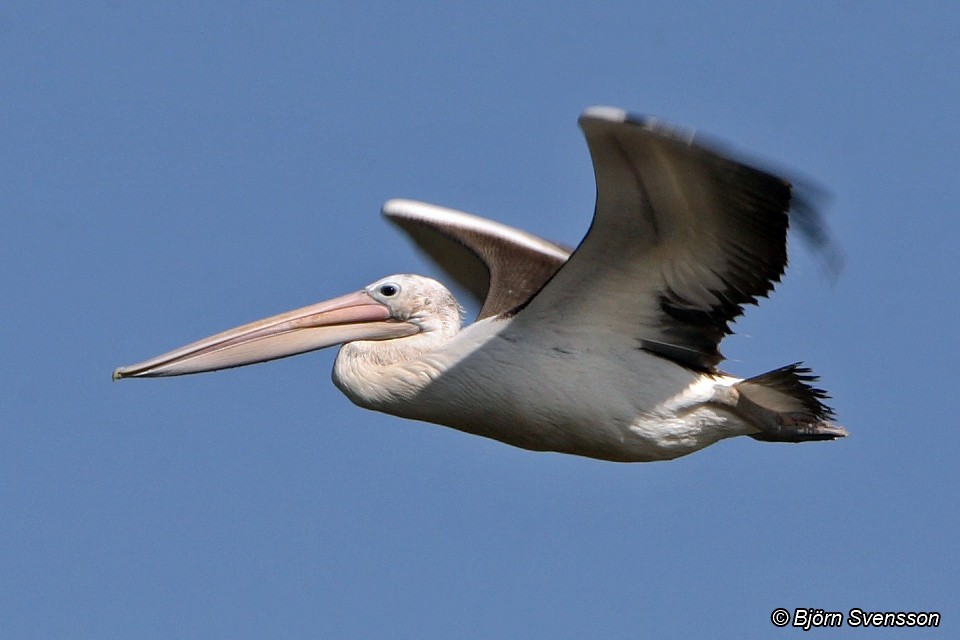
point(168, 172)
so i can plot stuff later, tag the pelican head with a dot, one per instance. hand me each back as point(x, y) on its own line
point(408, 310)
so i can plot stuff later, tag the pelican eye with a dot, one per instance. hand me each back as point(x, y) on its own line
point(389, 290)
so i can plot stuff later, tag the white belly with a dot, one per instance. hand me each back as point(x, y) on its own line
point(601, 397)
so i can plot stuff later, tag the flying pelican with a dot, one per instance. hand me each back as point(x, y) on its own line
point(609, 351)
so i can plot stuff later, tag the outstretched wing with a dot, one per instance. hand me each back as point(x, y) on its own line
point(682, 237)
point(500, 266)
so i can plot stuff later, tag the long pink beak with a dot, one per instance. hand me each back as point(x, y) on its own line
point(355, 316)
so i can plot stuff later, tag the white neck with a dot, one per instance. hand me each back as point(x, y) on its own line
point(382, 374)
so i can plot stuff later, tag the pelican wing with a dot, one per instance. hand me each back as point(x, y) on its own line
point(682, 238)
point(500, 266)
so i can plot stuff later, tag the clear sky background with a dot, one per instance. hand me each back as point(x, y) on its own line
point(170, 171)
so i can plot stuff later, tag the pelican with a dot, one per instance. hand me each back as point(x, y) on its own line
point(608, 351)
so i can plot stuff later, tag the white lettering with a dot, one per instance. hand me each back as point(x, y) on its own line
point(859, 618)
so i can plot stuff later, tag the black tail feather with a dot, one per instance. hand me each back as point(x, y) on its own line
point(786, 407)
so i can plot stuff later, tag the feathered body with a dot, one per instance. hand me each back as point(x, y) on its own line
point(593, 395)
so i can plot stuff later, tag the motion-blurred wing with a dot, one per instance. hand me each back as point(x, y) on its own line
point(682, 237)
point(500, 266)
